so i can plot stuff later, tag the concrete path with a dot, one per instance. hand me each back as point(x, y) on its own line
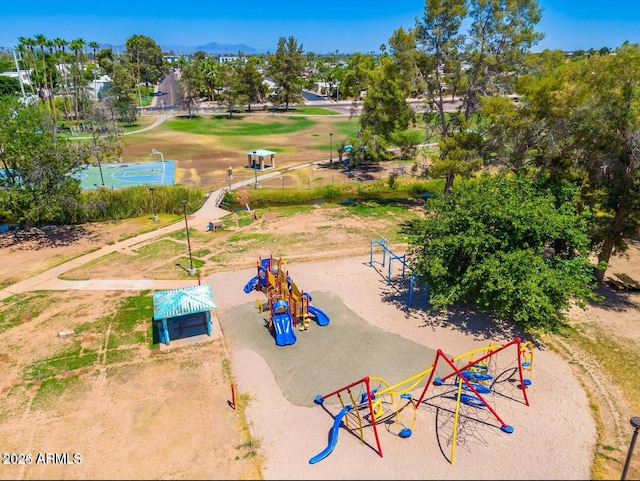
point(210, 211)
point(199, 220)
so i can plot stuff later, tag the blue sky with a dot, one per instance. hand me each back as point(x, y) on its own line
point(321, 27)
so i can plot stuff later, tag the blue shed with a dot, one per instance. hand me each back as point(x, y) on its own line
point(180, 311)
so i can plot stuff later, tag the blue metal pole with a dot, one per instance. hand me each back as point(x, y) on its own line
point(411, 290)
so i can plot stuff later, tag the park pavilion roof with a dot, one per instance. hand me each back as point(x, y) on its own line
point(182, 301)
point(261, 152)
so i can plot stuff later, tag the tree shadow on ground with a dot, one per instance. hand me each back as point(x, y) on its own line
point(41, 237)
point(615, 300)
point(464, 318)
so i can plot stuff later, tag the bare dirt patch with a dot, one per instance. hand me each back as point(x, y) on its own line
point(152, 414)
point(202, 160)
point(122, 404)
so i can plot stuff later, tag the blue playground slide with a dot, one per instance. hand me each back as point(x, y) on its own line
point(333, 436)
point(249, 286)
point(321, 317)
point(283, 325)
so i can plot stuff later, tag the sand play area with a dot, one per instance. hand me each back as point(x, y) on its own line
point(373, 332)
point(140, 413)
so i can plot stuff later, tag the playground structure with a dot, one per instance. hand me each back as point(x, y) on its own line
point(403, 262)
point(461, 397)
point(288, 306)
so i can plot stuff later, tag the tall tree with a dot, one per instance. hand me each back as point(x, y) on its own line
point(357, 75)
point(122, 90)
point(45, 92)
point(61, 66)
point(35, 164)
point(600, 103)
point(501, 35)
point(402, 49)
point(579, 121)
point(250, 83)
point(26, 47)
point(507, 246)
point(94, 46)
point(231, 95)
point(209, 72)
point(77, 69)
point(439, 37)
point(385, 108)
point(192, 84)
point(495, 50)
point(105, 60)
point(146, 56)
point(285, 68)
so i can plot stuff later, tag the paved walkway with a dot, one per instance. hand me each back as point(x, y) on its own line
point(210, 211)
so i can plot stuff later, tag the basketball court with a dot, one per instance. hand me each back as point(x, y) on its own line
point(128, 174)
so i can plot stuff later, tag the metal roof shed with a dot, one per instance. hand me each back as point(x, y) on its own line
point(183, 306)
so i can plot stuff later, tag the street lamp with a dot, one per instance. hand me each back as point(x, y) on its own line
point(635, 422)
point(255, 169)
point(191, 270)
point(153, 202)
point(331, 147)
point(155, 152)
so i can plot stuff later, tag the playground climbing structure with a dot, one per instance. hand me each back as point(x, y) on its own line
point(402, 259)
point(288, 306)
point(463, 391)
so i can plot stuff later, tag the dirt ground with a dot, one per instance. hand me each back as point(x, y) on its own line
point(128, 417)
point(165, 414)
point(202, 160)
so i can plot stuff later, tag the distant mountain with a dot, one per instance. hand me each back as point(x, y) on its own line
point(212, 48)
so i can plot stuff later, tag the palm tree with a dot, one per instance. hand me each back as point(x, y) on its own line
point(26, 47)
point(95, 46)
point(44, 91)
point(61, 46)
point(53, 76)
point(77, 45)
point(211, 73)
point(41, 40)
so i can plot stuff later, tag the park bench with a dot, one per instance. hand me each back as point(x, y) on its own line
point(627, 281)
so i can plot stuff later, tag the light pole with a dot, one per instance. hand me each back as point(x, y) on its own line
point(191, 270)
point(153, 202)
point(155, 152)
point(331, 148)
point(255, 169)
point(282, 179)
point(101, 176)
point(635, 422)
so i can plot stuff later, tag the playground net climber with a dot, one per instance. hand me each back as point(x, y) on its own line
point(464, 392)
point(288, 306)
